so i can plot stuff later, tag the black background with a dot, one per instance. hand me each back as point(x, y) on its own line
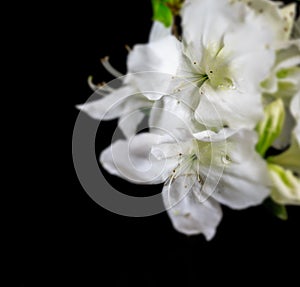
point(88, 244)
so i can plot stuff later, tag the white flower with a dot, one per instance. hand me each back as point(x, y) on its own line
point(200, 171)
point(127, 102)
point(224, 67)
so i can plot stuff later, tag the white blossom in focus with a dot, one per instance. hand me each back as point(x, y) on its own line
point(200, 172)
point(224, 67)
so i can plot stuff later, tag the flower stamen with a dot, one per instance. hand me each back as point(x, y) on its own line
point(106, 64)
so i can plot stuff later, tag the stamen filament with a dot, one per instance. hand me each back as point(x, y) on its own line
point(106, 64)
point(100, 89)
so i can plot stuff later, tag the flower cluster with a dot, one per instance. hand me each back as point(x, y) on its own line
point(222, 101)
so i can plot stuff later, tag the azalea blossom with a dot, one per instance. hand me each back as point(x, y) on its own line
point(127, 102)
point(225, 71)
point(200, 172)
point(216, 97)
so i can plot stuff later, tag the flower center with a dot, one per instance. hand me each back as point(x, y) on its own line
point(214, 67)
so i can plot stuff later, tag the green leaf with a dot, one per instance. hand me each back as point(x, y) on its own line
point(270, 127)
point(161, 12)
point(276, 209)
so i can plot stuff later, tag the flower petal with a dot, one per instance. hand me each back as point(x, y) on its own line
point(159, 59)
point(128, 123)
point(110, 106)
point(286, 188)
point(295, 110)
point(134, 111)
point(284, 139)
point(290, 158)
point(171, 113)
point(231, 108)
point(159, 31)
point(284, 70)
point(295, 107)
point(245, 180)
point(206, 21)
point(188, 215)
point(133, 161)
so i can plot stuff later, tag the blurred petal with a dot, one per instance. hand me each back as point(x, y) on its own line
point(286, 188)
point(289, 159)
point(295, 110)
point(128, 123)
point(158, 31)
point(160, 60)
point(188, 215)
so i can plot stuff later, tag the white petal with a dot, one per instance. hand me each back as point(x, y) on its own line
point(170, 113)
point(128, 123)
point(238, 192)
point(133, 112)
point(206, 21)
point(158, 31)
point(245, 181)
point(297, 132)
point(288, 14)
point(159, 56)
point(210, 136)
point(287, 59)
point(284, 138)
point(133, 161)
point(295, 107)
point(295, 110)
point(189, 216)
point(280, 19)
point(173, 144)
point(110, 106)
point(154, 64)
point(233, 108)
